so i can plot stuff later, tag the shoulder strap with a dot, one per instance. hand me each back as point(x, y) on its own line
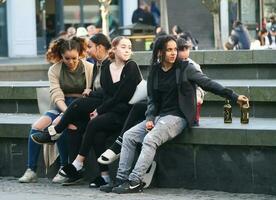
point(137, 68)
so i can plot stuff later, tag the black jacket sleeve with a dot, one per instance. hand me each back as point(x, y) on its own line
point(208, 84)
point(152, 104)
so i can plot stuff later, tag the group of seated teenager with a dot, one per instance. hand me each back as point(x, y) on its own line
point(91, 104)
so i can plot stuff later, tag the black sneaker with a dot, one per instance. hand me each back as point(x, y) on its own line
point(73, 181)
point(108, 187)
point(73, 175)
point(97, 182)
point(42, 137)
point(128, 187)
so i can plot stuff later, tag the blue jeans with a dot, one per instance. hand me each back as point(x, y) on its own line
point(166, 128)
point(34, 148)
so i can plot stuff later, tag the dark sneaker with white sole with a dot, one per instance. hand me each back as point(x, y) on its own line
point(74, 176)
point(108, 187)
point(44, 138)
point(97, 182)
point(128, 187)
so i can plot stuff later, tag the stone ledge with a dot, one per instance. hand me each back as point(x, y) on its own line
point(212, 131)
point(256, 90)
point(143, 58)
point(218, 57)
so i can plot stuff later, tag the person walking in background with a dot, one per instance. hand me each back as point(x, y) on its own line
point(177, 31)
point(171, 108)
point(239, 38)
point(70, 77)
point(143, 15)
point(71, 32)
point(155, 12)
point(91, 30)
point(270, 39)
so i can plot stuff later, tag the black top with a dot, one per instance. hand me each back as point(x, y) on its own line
point(72, 81)
point(117, 95)
point(97, 69)
point(167, 92)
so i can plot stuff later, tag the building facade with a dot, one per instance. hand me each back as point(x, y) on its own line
point(27, 31)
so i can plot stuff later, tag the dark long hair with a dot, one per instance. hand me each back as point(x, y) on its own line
point(101, 39)
point(160, 45)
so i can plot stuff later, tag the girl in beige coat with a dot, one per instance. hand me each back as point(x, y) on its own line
point(70, 77)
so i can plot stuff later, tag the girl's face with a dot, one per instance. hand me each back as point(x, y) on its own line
point(123, 50)
point(170, 53)
point(71, 58)
point(92, 49)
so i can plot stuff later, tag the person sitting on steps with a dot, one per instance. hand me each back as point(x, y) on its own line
point(171, 108)
point(70, 77)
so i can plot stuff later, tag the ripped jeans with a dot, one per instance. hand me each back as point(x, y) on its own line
point(166, 128)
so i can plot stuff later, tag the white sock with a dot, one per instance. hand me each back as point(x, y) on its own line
point(106, 178)
point(77, 164)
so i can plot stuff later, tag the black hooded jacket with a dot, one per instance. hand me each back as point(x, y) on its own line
point(187, 77)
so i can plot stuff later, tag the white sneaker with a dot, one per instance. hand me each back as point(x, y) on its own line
point(28, 177)
point(59, 178)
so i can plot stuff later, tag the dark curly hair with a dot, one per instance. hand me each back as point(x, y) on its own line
point(61, 45)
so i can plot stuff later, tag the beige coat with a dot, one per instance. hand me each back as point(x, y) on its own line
point(56, 93)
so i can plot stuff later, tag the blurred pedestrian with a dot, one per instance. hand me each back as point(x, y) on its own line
point(142, 14)
point(239, 38)
point(270, 39)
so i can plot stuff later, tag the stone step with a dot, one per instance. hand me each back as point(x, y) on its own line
point(214, 156)
point(20, 97)
point(24, 69)
point(256, 90)
point(212, 130)
point(250, 64)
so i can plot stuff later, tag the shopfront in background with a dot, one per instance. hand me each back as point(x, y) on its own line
point(3, 31)
point(58, 15)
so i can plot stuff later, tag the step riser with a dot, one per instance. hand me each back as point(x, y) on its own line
point(24, 75)
point(209, 108)
point(242, 71)
point(259, 110)
point(244, 169)
point(253, 71)
point(225, 168)
point(19, 106)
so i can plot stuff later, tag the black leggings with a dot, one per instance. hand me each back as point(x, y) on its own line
point(135, 116)
point(97, 132)
point(78, 112)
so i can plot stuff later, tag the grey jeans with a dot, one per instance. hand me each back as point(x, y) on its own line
point(166, 128)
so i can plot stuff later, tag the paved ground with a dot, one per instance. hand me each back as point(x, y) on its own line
point(10, 189)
